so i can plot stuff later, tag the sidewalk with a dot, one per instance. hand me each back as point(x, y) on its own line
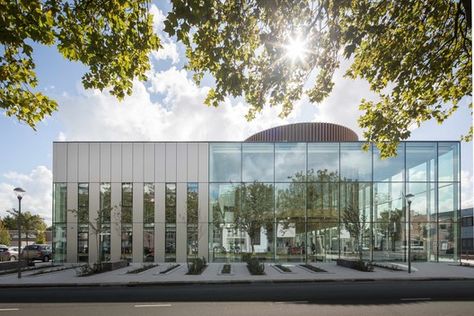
point(239, 274)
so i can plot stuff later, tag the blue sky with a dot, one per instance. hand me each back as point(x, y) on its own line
point(166, 107)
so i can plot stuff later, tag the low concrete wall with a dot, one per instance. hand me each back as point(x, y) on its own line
point(114, 265)
point(11, 265)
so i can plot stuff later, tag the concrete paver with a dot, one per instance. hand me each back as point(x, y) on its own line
point(239, 273)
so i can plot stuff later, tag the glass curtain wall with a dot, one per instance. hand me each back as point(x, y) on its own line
point(105, 222)
point(170, 223)
point(321, 201)
point(126, 221)
point(83, 223)
point(148, 222)
point(192, 220)
point(59, 221)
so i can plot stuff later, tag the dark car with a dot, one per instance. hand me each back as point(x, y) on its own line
point(37, 252)
point(5, 254)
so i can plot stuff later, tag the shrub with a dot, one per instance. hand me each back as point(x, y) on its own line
point(255, 267)
point(87, 269)
point(196, 265)
point(246, 257)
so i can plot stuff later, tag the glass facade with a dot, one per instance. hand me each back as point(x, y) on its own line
point(83, 222)
point(105, 221)
point(59, 221)
point(126, 221)
point(170, 223)
point(322, 201)
point(148, 222)
point(192, 220)
point(282, 201)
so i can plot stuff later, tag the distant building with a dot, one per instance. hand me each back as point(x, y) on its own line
point(28, 239)
point(467, 231)
point(292, 193)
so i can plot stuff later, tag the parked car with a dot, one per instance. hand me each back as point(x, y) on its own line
point(13, 253)
point(4, 253)
point(37, 252)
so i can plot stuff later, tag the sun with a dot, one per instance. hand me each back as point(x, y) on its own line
point(296, 49)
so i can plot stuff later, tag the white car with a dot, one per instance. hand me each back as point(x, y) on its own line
point(13, 253)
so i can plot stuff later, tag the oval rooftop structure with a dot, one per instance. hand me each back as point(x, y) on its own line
point(305, 132)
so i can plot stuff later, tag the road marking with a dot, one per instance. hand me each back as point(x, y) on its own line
point(153, 305)
point(9, 309)
point(416, 299)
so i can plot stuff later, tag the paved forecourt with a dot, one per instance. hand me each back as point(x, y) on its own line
point(239, 273)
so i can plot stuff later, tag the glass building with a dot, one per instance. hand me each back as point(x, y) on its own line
point(298, 192)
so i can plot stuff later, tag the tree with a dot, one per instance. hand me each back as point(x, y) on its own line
point(29, 223)
point(256, 211)
point(390, 223)
point(355, 222)
point(416, 55)
point(99, 225)
point(112, 38)
point(4, 235)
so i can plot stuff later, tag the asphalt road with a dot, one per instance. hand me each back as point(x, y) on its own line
point(233, 308)
point(375, 292)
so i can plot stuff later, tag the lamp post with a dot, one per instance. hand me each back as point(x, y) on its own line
point(409, 198)
point(19, 194)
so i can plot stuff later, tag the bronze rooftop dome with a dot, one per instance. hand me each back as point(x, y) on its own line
point(305, 132)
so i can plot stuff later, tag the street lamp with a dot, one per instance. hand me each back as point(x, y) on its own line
point(19, 194)
point(409, 198)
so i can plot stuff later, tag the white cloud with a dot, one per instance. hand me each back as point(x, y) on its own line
point(180, 115)
point(169, 49)
point(38, 198)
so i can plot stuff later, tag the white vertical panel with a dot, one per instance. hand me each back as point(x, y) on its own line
point(203, 225)
point(160, 222)
point(105, 162)
point(149, 162)
point(83, 163)
point(71, 236)
point(137, 240)
point(182, 165)
point(203, 162)
point(160, 159)
point(59, 162)
point(127, 162)
point(72, 153)
point(94, 205)
point(115, 227)
point(181, 232)
point(137, 162)
point(116, 164)
point(193, 162)
point(170, 162)
point(94, 162)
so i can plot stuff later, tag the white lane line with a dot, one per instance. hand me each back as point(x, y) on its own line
point(416, 299)
point(9, 309)
point(153, 305)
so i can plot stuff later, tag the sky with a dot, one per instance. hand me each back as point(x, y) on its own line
point(169, 106)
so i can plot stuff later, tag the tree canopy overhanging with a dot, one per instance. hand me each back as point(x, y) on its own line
point(113, 38)
point(415, 54)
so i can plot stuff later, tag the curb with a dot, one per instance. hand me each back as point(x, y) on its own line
point(224, 282)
